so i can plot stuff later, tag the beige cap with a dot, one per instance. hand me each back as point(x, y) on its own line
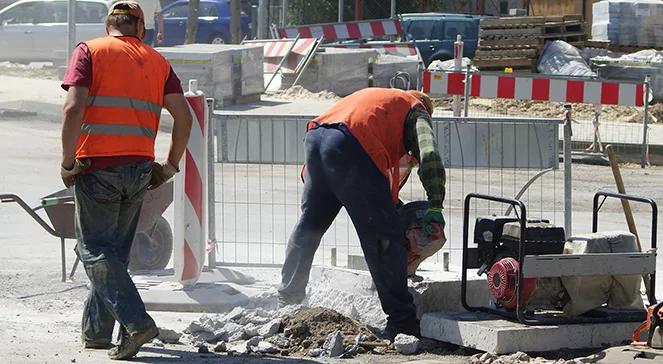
point(127, 7)
point(424, 100)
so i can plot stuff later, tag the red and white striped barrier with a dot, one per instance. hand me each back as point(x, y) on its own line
point(275, 50)
point(191, 195)
point(350, 30)
point(401, 49)
point(541, 88)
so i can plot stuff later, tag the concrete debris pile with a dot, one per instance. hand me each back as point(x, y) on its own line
point(292, 330)
point(316, 328)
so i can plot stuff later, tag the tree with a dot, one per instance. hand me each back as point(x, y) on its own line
point(192, 22)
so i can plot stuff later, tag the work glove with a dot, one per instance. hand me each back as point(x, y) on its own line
point(69, 175)
point(433, 216)
point(161, 173)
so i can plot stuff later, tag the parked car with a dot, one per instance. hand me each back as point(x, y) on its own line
point(36, 30)
point(213, 22)
point(435, 34)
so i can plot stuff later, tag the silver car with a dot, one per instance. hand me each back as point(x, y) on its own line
point(36, 30)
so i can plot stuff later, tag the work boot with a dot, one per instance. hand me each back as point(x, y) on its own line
point(129, 345)
point(284, 301)
point(97, 344)
point(408, 328)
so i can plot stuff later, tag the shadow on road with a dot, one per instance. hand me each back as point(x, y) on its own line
point(168, 355)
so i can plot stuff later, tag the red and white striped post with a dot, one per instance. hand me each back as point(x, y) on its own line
point(191, 195)
point(458, 66)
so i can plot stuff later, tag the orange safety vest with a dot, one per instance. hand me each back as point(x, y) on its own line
point(376, 117)
point(125, 99)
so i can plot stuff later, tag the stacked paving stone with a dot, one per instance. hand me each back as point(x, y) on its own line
point(628, 23)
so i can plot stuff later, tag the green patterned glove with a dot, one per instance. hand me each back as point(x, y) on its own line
point(433, 216)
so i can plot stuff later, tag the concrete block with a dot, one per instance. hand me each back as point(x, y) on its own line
point(443, 293)
point(387, 66)
point(492, 334)
point(223, 71)
point(339, 70)
point(439, 292)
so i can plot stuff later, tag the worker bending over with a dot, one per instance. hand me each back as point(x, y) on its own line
point(358, 155)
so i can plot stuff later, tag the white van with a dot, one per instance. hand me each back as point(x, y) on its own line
point(36, 30)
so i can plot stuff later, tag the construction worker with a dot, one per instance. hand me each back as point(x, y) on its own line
point(152, 10)
point(116, 87)
point(358, 155)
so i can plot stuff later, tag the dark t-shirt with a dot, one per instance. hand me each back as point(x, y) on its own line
point(79, 73)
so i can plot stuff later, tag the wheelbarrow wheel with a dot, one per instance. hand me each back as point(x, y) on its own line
point(151, 250)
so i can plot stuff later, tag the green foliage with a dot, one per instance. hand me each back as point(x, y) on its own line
point(326, 11)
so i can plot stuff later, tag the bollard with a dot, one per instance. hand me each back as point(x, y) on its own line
point(644, 160)
point(458, 67)
point(568, 200)
point(190, 228)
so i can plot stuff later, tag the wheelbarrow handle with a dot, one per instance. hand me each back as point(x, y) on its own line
point(8, 198)
point(52, 201)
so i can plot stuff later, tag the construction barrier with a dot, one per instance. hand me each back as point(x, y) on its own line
point(191, 207)
point(340, 31)
point(295, 50)
point(401, 49)
point(259, 186)
point(541, 88)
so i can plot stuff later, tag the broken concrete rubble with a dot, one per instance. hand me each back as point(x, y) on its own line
point(270, 328)
point(220, 347)
point(333, 346)
point(250, 330)
point(168, 336)
point(265, 347)
point(406, 344)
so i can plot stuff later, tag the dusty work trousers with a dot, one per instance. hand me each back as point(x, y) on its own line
point(340, 173)
point(108, 204)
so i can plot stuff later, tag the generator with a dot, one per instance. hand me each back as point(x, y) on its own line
point(497, 240)
point(517, 255)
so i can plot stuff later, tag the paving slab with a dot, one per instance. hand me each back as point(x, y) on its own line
point(218, 290)
point(490, 333)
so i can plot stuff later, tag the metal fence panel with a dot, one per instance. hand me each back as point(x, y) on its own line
point(462, 142)
point(258, 183)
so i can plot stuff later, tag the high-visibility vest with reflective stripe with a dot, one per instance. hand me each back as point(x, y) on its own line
point(376, 117)
point(125, 98)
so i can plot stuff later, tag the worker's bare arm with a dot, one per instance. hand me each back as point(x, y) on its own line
point(177, 107)
point(73, 111)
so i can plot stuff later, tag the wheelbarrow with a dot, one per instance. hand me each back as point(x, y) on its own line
point(153, 242)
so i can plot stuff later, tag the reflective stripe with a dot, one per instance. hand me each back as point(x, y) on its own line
point(117, 129)
point(127, 102)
